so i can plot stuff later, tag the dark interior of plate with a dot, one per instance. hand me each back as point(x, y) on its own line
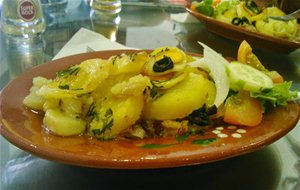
point(239, 34)
point(24, 129)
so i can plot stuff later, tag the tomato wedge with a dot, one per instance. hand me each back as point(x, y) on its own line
point(246, 56)
point(241, 109)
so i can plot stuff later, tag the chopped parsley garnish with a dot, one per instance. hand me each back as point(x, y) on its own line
point(92, 112)
point(156, 145)
point(77, 89)
point(108, 113)
point(107, 122)
point(182, 138)
point(113, 60)
point(106, 126)
point(163, 50)
point(64, 86)
point(153, 91)
point(84, 94)
point(132, 57)
point(204, 141)
point(73, 70)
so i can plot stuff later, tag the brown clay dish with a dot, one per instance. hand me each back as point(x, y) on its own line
point(239, 34)
point(24, 129)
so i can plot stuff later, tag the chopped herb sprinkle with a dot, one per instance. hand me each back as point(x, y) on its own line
point(204, 141)
point(73, 70)
point(64, 87)
point(153, 91)
point(92, 112)
point(156, 145)
point(107, 123)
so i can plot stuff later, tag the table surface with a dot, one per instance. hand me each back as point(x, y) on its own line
point(146, 26)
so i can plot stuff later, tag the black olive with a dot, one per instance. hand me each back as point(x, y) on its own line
point(236, 21)
point(245, 20)
point(212, 110)
point(252, 6)
point(163, 64)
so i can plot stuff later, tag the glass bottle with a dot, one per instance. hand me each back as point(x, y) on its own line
point(22, 18)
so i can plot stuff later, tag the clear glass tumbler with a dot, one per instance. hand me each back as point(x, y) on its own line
point(106, 7)
point(55, 11)
point(23, 18)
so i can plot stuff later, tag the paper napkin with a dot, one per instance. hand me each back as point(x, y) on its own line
point(184, 18)
point(84, 39)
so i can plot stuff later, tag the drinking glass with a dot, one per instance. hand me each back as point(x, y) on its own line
point(54, 11)
point(105, 25)
point(106, 7)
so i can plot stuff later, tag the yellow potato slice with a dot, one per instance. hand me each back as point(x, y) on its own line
point(181, 100)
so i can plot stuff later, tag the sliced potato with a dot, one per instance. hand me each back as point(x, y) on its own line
point(116, 115)
point(40, 81)
point(165, 84)
point(91, 73)
point(51, 104)
point(178, 60)
point(129, 63)
point(52, 90)
point(63, 124)
point(134, 86)
point(181, 100)
point(33, 100)
point(71, 106)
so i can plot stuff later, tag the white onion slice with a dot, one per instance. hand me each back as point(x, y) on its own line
point(199, 62)
point(217, 65)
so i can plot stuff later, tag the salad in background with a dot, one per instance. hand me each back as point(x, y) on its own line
point(247, 14)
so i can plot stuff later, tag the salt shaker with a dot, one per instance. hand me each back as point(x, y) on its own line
point(22, 18)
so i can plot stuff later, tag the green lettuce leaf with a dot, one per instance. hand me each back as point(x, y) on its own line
point(206, 8)
point(223, 6)
point(276, 96)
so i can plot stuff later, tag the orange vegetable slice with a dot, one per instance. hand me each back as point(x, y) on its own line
point(241, 109)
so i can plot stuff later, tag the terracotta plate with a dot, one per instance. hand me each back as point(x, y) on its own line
point(239, 34)
point(24, 129)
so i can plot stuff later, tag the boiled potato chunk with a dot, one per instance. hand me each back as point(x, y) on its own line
point(174, 53)
point(91, 73)
point(51, 104)
point(277, 28)
point(181, 100)
point(71, 106)
point(128, 63)
point(124, 113)
point(178, 57)
point(134, 86)
point(40, 81)
point(77, 80)
point(62, 124)
point(177, 78)
point(52, 90)
point(33, 100)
